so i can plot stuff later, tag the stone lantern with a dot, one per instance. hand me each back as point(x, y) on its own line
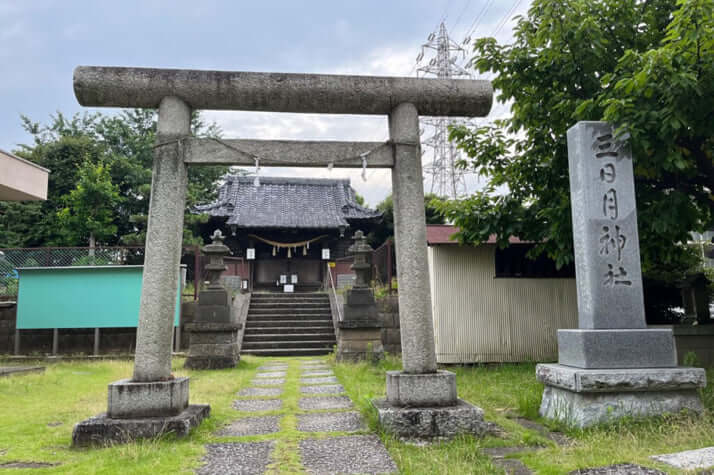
point(361, 251)
point(360, 330)
point(213, 340)
point(216, 251)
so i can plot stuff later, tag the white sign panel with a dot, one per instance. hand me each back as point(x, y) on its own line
point(283, 279)
point(250, 253)
point(326, 254)
point(288, 288)
point(293, 279)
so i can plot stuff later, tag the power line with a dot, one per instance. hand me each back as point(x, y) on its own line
point(505, 18)
point(477, 21)
point(458, 19)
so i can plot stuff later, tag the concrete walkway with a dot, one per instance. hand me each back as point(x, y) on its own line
point(296, 417)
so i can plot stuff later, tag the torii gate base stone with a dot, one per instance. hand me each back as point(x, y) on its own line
point(421, 401)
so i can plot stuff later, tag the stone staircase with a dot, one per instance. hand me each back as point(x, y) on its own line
point(297, 324)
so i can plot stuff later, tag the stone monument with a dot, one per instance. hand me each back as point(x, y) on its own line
point(176, 92)
point(360, 330)
point(213, 336)
point(613, 365)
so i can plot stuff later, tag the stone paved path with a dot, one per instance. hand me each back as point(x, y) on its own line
point(295, 416)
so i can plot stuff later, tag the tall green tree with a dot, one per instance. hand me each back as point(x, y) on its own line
point(648, 68)
point(385, 229)
point(122, 145)
point(90, 207)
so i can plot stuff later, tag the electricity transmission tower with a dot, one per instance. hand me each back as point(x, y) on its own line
point(441, 174)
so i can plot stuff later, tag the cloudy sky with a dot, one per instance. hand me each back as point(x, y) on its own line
point(41, 41)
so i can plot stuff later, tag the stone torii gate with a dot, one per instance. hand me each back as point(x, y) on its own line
point(152, 395)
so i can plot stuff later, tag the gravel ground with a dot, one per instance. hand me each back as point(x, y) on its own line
point(256, 405)
point(268, 382)
point(689, 459)
point(252, 426)
point(248, 458)
point(324, 389)
point(330, 422)
point(280, 367)
point(326, 402)
point(321, 380)
point(274, 374)
point(352, 454)
point(322, 372)
point(260, 392)
point(619, 469)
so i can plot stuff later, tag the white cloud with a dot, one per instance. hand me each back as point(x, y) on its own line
point(396, 60)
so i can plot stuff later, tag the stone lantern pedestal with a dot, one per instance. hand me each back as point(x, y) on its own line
point(360, 330)
point(213, 337)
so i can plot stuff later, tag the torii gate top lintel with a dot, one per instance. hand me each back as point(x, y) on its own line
point(99, 86)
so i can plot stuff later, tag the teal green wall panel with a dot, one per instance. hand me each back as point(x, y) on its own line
point(81, 297)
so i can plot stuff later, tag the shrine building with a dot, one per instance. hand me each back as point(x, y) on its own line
point(285, 231)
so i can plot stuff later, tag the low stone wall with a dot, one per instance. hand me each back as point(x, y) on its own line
point(188, 315)
point(388, 308)
point(697, 339)
point(7, 326)
point(241, 302)
point(76, 340)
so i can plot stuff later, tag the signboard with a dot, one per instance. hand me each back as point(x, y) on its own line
point(81, 297)
point(326, 254)
point(250, 253)
point(294, 279)
point(288, 288)
point(283, 279)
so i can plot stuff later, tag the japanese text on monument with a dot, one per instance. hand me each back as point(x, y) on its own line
point(612, 238)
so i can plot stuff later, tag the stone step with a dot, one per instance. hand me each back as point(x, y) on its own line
point(288, 352)
point(248, 345)
point(299, 310)
point(281, 305)
point(289, 316)
point(290, 323)
point(258, 330)
point(280, 295)
point(254, 337)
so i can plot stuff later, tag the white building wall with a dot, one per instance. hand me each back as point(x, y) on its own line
point(479, 318)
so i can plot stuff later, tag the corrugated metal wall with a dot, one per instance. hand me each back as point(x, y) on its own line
point(478, 318)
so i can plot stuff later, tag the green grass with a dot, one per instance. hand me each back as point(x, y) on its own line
point(68, 392)
point(508, 391)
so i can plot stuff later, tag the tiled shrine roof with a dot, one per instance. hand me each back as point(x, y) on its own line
point(297, 203)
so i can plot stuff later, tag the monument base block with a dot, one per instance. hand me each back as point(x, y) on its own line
point(617, 348)
point(104, 430)
point(421, 389)
point(360, 344)
point(213, 345)
point(585, 397)
point(430, 422)
point(129, 399)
